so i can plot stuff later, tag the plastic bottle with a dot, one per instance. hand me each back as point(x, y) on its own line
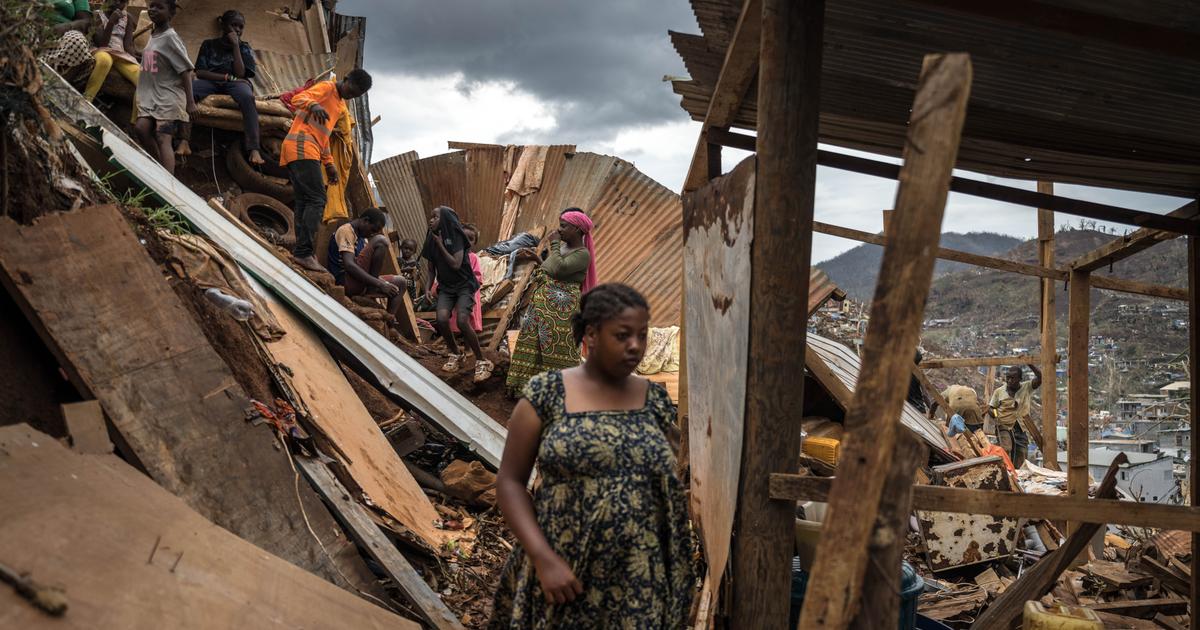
point(237, 308)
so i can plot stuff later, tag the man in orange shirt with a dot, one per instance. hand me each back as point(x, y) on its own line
point(306, 147)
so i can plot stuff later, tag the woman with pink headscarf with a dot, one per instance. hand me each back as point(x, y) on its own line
point(546, 341)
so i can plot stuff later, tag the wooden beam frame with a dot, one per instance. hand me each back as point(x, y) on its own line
point(1010, 504)
point(737, 73)
point(987, 190)
point(789, 65)
point(957, 362)
point(1003, 264)
point(1078, 315)
point(906, 272)
point(1130, 244)
point(1049, 330)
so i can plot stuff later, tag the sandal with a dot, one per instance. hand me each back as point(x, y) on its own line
point(452, 363)
point(483, 370)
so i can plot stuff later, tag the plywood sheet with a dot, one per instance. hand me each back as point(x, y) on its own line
point(341, 416)
point(130, 555)
point(126, 339)
point(719, 225)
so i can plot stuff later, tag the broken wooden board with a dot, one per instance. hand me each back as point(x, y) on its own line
point(374, 542)
point(87, 428)
point(337, 411)
point(128, 554)
point(125, 339)
point(718, 229)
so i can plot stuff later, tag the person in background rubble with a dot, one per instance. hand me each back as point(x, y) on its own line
point(357, 251)
point(225, 65)
point(410, 267)
point(164, 95)
point(476, 320)
point(113, 37)
point(306, 148)
point(70, 21)
point(446, 248)
point(545, 341)
point(916, 394)
point(603, 541)
point(1009, 405)
point(964, 405)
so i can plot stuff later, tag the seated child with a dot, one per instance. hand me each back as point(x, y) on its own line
point(357, 251)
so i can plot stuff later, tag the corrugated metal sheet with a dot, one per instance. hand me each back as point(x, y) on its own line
point(820, 289)
point(266, 26)
point(281, 72)
point(401, 196)
point(639, 232)
point(639, 238)
point(485, 180)
point(349, 36)
point(442, 180)
point(1044, 104)
point(845, 364)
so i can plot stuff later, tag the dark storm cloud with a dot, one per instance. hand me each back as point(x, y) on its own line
point(600, 63)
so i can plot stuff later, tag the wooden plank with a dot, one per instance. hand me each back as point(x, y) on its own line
point(906, 272)
point(1194, 370)
point(881, 602)
point(789, 77)
point(961, 362)
point(826, 376)
point(1049, 330)
point(737, 73)
point(369, 537)
point(87, 428)
point(988, 190)
point(1006, 610)
point(1078, 314)
point(1115, 576)
point(129, 554)
point(339, 414)
point(1125, 246)
point(934, 393)
point(1010, 504)
point(408, 319)
point(1139, 288)
point(514, 302)
point(126, 340)
point(718, 229)
point(1168, 578)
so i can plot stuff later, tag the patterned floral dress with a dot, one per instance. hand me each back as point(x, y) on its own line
point(611, 505)
point(546, 341)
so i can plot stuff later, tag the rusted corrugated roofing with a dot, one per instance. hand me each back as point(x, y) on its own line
point(820, 289)
point(1045, 104)
point(281, 72)
point(638, 234)
point(398, 188)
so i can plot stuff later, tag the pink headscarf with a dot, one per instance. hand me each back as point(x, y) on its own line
point(581, 221)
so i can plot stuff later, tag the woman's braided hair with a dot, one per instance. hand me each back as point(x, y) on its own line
point(603, 303)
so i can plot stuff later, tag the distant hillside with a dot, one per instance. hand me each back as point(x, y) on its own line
point(855, 270)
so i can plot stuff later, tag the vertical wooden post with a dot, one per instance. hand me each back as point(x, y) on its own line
point(1049, 336)
point(789, 80)
point(852, 534)
point(1078, 314)
point(1194, 374)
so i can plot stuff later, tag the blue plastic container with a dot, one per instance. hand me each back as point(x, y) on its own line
point(911, 585)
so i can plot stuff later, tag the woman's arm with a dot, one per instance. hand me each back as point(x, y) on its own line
point(559, 583)
point(561, 267)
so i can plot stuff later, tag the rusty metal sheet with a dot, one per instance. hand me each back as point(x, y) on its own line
point(485, 180)
point(267, 28)
point(401, 196)
point(582, 177)
point(955, 540)
point(535, 208)
point(442, 182)
point(280, 72)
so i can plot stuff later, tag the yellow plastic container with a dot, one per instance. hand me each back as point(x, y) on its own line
point(824, 449)
point(1059, 617)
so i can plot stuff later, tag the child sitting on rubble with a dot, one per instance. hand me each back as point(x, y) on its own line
point(164, 94)
point(357, 251)
point(113, 37)
point(225, 65)
point(447, 249)
point(410, 266)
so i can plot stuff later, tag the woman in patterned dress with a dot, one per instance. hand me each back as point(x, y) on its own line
point(545, 341)
point(604, 541)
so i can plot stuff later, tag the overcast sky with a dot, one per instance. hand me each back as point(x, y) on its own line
point(591, 73)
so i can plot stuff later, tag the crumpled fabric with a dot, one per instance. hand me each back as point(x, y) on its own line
point(341, 147)
point(197, 259)
point(662, 351)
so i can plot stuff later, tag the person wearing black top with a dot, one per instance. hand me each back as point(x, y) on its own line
point(225, 65)
point(446, 248)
